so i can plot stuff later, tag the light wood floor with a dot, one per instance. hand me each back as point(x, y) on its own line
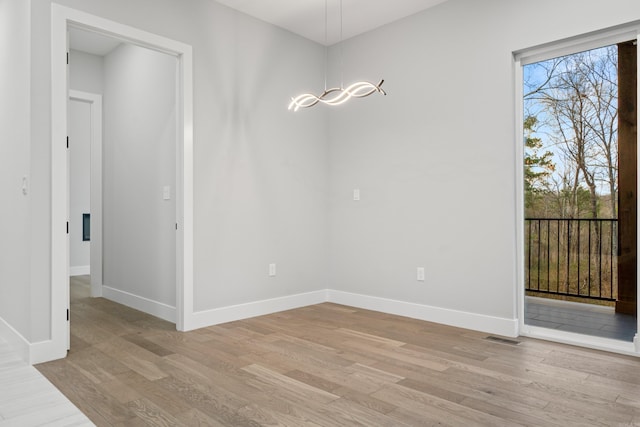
point(331, 365)
point(28, 399)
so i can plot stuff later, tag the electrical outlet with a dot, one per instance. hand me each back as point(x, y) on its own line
point(356, 194)
point(272, 270)
point(420, 274)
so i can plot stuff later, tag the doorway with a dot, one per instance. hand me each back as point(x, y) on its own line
point(182, 191)
point(85, 187)
point(138, 170)
point(578, 239)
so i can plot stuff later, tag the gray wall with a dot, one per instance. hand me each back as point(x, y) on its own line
point(79, 119)
point(15, 245)
point(85, 74)
point(139, 150)
point(435, 159)
point(139, 160)
point(260, 172)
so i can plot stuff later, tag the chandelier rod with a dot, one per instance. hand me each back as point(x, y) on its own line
point(336, 95)
point(341, 51)
point(326, 42)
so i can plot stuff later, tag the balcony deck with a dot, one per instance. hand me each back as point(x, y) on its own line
point(580, 318)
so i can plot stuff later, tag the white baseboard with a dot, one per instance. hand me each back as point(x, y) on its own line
point(478, 322)
point(155, 308)
point(42, 351)
point(45, 351)
point(460, 319)
point(16, 341)
point(80, 270)
point(216, 316)
point(32, 353)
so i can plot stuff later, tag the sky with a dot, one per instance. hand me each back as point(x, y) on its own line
point(534, 75)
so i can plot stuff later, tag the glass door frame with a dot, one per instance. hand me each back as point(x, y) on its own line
point(522, 58)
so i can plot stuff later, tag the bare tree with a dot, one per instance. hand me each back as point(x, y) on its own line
point(602, 80)
point(579, 103)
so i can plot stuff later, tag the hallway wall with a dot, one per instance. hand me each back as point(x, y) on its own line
point(15, 141)
point(139, 234)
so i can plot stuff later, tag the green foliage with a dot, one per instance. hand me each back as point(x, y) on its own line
point(537, 166)
point(564, 203)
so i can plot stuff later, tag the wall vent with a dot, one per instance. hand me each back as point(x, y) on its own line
point(502, 340)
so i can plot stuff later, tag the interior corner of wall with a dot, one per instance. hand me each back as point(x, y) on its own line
point(14, 339)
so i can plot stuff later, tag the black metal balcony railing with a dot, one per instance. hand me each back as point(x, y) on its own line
point(572, 257)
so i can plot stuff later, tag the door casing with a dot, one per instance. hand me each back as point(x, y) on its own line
point(521, 58)
point(61, 19)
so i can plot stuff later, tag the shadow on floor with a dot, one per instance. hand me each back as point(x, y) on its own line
point(580, 318)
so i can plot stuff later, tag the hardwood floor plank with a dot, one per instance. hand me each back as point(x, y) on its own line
point(365, 400)
point(154, 391)
point(327, 365)
point(196, 418)
point(208, 404)
point(360, 415)
point(120, 390)
point(270, 417)
point(154, 348)
point(152, 414)
point(84, 393)
point(288, 383)
point(441, 409)
point(313, 380)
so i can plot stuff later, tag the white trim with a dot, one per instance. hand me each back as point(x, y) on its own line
point(61, 18)
point(80, 270)
point(146, 305)
point(460, 319)
point(95, 245)
point(202, 319)
point(580, 340)
point(184, 193)
point(521, 58)
point(16, 341)
point(519, 190)
point(40, 352)
point(59, 253)
point(577, 44)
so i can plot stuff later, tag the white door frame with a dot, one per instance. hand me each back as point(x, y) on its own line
point(61, 18)
point(529, 56)
point(95, 245)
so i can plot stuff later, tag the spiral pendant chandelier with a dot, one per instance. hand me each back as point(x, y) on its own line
point(336, 95)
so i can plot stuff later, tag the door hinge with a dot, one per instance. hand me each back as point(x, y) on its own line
point(67, 58)
point(67, 227)
point(176, 225)
point(67, 142)
point(67, 314)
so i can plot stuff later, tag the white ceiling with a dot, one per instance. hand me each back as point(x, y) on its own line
point(89, 42)
point(307, 17)
point(303, 17)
